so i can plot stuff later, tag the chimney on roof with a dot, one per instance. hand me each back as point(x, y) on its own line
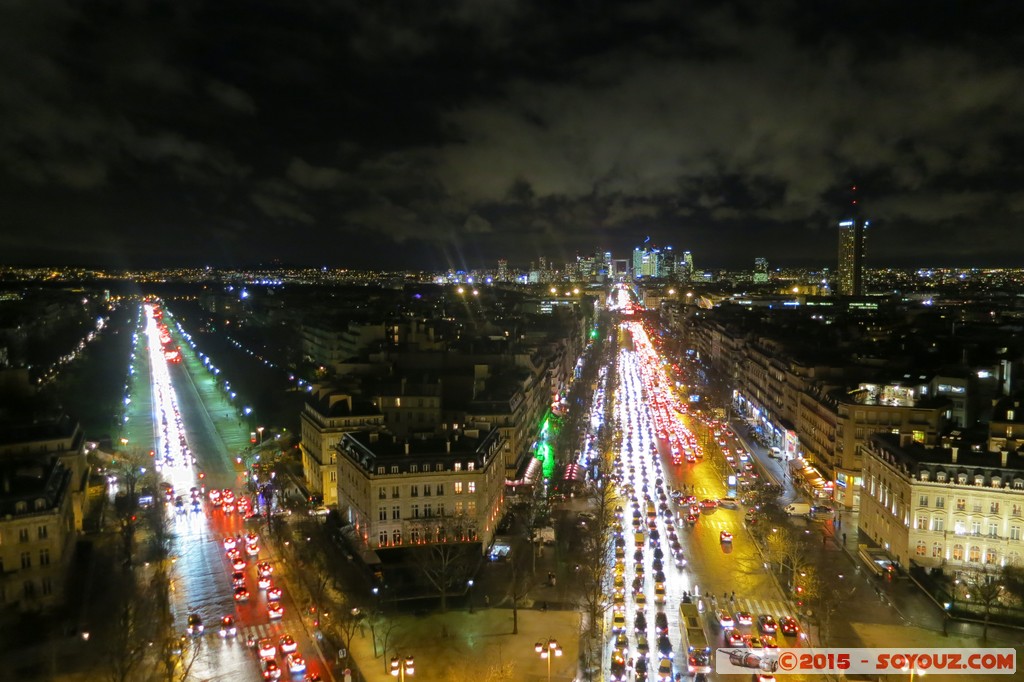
point(407, 447)
point(955, 449)
point(906, 439)
point(1003, 456)
point(447, 446)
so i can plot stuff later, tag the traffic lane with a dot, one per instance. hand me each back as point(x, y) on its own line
point(297, 620)
point(201, 581)
point(254, 611)
point(725, 567)
point(201, 434)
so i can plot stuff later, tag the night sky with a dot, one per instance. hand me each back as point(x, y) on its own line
point(438, 134)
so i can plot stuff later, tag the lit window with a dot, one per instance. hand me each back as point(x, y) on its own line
point(472, 487)
point(458, 487)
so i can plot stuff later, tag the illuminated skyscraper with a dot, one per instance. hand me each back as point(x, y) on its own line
point(760, 270)
point(502, 270)
point(687, 263)
point(852, 235)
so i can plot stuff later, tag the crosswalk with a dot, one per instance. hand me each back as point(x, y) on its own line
point(776, 608)
point(272, 630)
point(716, 524)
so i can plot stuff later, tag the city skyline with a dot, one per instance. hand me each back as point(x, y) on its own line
point(455, 135)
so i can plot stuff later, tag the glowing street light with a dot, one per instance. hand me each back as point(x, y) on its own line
point(401, 668)
point(548, 650)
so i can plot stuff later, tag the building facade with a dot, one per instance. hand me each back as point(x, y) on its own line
point(37, 532)
point(326, 415)
point(959, 507)
point(422, 490)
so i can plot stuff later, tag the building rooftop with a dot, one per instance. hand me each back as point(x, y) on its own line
point(965, 457)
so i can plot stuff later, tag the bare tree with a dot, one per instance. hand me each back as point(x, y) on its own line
point(382, 631)
point(824, 595)
point(985, 589)
point(446, 562)
point(131, 467)
point(129, 642)
point(1013, 582)
point(345, 622)
point(178, 656)
point(161, 532)
point(592, 569)
point(518, 586)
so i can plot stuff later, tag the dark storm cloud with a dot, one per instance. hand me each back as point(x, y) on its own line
point(511, 128)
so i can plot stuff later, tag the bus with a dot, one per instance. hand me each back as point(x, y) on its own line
point(694, 641)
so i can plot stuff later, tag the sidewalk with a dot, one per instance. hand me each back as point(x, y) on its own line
point(466, 647)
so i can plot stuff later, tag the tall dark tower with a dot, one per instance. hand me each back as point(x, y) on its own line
point(852, 234)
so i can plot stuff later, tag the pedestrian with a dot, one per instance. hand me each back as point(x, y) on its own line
point(732, 597)
point(487, 600)
point(844, 538)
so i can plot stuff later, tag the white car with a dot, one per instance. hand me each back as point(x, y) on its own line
point(288, 645)
point(267, 649)
point(296, 663)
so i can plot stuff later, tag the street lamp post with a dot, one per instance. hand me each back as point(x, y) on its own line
point(400, 668)
point(548, 650)
point(259, 429)
point(469, 594)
